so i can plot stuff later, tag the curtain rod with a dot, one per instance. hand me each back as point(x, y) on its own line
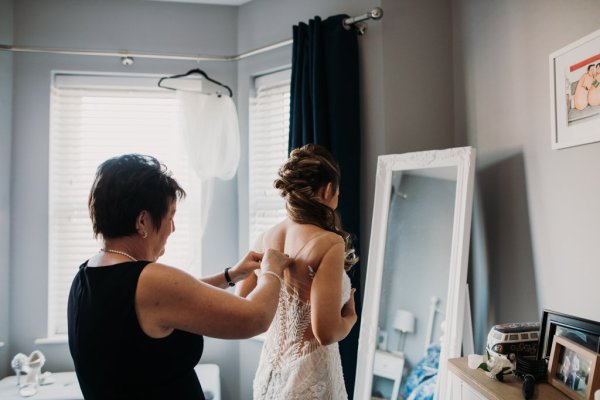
point(375, 14)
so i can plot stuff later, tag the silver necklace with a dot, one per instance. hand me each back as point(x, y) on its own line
point(119, 252)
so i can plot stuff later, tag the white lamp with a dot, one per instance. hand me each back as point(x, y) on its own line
point(405, 323)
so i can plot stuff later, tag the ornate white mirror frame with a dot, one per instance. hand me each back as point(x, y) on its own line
point(463, 158)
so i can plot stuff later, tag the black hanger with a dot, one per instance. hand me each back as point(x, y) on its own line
point(190, 72)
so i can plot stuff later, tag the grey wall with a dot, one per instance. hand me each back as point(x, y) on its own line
point(417, 64)
point(137, 25)
point(6, 71)
point(540, 205)
point(263, 22)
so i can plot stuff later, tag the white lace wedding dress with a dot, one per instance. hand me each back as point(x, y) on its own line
point(293, 365)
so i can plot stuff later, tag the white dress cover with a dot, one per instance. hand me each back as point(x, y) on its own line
point(210, 130)
point(292, 366)
point(211, 133)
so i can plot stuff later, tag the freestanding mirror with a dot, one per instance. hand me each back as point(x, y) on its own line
point(414, 307)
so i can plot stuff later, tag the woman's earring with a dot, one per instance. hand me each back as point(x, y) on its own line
point(145, 235)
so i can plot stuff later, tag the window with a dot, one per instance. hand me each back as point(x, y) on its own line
point(268, 149)
point(92, 119)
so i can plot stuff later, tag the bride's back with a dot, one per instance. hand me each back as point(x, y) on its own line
point(306, 244)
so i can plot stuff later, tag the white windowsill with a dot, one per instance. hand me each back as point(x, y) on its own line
point(58, 339)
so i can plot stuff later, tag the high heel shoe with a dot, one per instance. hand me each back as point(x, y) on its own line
point(19, 364)
point(35, 362)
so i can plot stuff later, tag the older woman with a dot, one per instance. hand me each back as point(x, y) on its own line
point(135, 325)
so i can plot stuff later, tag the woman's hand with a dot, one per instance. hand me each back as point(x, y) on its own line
point(275, 261)
point(246, 265)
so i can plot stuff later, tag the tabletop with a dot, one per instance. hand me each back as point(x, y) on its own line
point(65, 387)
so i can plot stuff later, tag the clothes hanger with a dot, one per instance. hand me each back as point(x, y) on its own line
point(190, 72)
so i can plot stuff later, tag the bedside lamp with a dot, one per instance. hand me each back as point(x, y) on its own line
point(405, 323)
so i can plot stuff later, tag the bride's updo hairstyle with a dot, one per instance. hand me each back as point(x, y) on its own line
point(308, 169)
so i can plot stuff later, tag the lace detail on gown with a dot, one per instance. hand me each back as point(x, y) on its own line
point(293, 365)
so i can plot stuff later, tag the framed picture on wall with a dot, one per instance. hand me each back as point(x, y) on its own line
point(582, 331)
point(574, 369)
point(575, 92)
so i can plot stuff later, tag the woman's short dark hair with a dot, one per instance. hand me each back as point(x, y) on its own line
point(126, 185)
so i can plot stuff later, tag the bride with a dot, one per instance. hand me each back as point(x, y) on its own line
point(300, 358)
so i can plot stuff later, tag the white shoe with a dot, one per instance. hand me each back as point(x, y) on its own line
point(28, 390)
point(46, 378)
point(19, 364)
point(35, 363)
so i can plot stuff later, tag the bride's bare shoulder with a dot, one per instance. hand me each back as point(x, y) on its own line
point(273, 237)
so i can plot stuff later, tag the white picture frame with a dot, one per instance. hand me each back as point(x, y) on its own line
point(575, 110)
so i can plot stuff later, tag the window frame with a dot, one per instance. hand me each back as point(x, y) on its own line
point(261, 83)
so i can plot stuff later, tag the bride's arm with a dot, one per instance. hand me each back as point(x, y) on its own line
point(329, 324)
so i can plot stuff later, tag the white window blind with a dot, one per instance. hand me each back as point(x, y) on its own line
point(91, 121)
point(268, 146)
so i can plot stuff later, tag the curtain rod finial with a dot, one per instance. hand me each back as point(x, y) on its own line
point(376, 13)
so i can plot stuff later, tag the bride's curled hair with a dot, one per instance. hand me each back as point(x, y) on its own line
point(308, 169)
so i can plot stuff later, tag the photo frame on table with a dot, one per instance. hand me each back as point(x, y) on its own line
point(583, 331)
point(574, 369)
point(575, 93)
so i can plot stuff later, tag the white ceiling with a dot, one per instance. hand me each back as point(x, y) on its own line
point(218, 2)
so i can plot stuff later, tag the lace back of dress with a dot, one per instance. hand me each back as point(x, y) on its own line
point(287, 334)
point(293, 365)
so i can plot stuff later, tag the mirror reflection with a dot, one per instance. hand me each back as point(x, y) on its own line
point(415, 280)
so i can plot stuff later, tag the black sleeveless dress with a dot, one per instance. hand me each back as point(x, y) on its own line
point(114, 358)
